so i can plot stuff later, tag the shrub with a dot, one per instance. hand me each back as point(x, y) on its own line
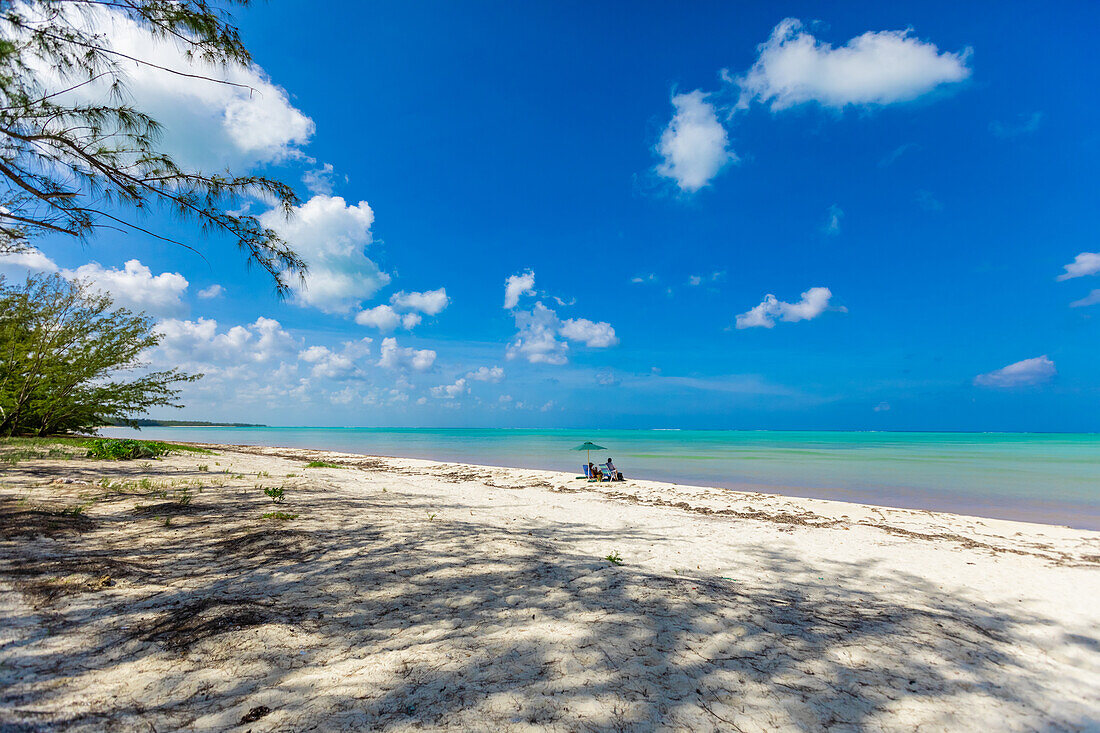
point(275, 493)
point(281, 516)
point(126, 449)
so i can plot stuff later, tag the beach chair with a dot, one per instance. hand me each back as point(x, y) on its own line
point(588, 475)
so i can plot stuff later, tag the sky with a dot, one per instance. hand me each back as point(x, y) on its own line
point(867, 216)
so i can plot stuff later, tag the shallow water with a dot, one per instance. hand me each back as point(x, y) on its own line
point(1040, 477)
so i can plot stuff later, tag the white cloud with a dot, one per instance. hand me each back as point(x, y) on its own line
point(641, 279)
point(1086, 263)
point(429, 302)
point(538, 334)
point(331, 235)
point(517, 285)
point(385, 318)
point(882, 407)
point(594, 335)
point(537, 339)
point(928, 201)
point(1091, 299)
point(876, 68)
point(261, 341)
point(695, 280)
point(450, 391)
point(401, 357)
point(694, 147)
point(214, 291)
point(319, 180)
point(813, 303)
point(205, 123)
point(331, 364)
point(29, 259)
point(832, 220)
point(135, 286)
point(486, 374)
point(1029, 371)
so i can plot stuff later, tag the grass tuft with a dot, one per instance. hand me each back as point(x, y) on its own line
point(322, 464)
point(280, 516)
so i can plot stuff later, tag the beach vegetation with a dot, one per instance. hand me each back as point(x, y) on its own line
point(322, 464)
point(615, 558)
point(202, 467)
point(279, 516)
point(275, 493)
point(67, 358)
point(126, 449)
point(72, 168)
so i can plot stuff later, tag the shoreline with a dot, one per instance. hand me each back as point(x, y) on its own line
point(1023, 512)
point(405, 594)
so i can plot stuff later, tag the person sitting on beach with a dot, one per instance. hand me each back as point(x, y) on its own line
point(612, 472)
point(593, 472)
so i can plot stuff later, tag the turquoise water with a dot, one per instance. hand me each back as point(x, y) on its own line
point(1051, 478)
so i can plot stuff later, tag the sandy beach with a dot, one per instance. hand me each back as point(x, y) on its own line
point(403, 594)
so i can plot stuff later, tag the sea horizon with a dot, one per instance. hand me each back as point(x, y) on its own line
point(1041, 477)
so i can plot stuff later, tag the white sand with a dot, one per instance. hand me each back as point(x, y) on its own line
point(411, 594)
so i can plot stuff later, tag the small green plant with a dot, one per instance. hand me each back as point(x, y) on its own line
point(203, 467)
point(322, 464)
point(126, 449)
point(275, 493)
point(263, 474)
point(167, 521)
point(615, 558)
point(291, 475)
point(431, 517)
point(184, 498)
point(280, 516)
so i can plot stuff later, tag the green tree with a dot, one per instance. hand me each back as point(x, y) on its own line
point(71, 168)
point(65, 357)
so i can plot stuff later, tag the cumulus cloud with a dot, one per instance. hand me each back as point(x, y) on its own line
point(486, 374)
point(135, 286)
point(331, 237)
point(642, 279)
point(429, 302)
point(450, 391)
point(206, 124)
point(1086, 263)
point(386, 319)
point(29, 259)
point(594, 335)
point(262, 341)
point(539, 329)
point(404, 310)
point(1027, 372)
point(214, 291)
point(328, 363)
point(517, 285)
point(402, 357)
point(876, 68)
point(537, 339)
point(694, 147)
point(1091, 299)
point(813, 303)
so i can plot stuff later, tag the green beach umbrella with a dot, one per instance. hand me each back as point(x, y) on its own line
point(588, 447)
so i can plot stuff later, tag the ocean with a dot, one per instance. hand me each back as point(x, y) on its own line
point(1038, 477)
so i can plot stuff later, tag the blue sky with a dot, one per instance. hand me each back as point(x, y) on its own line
point(907, 180)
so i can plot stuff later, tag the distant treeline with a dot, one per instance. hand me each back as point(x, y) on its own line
point(146, 423)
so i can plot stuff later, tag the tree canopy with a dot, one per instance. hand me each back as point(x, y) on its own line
point(68, 359)
point(70, 168)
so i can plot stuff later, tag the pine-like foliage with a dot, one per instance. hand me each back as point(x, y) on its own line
point(70, 168)
point(65, 355)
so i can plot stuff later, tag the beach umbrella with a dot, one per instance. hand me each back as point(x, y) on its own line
point(588, 446)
